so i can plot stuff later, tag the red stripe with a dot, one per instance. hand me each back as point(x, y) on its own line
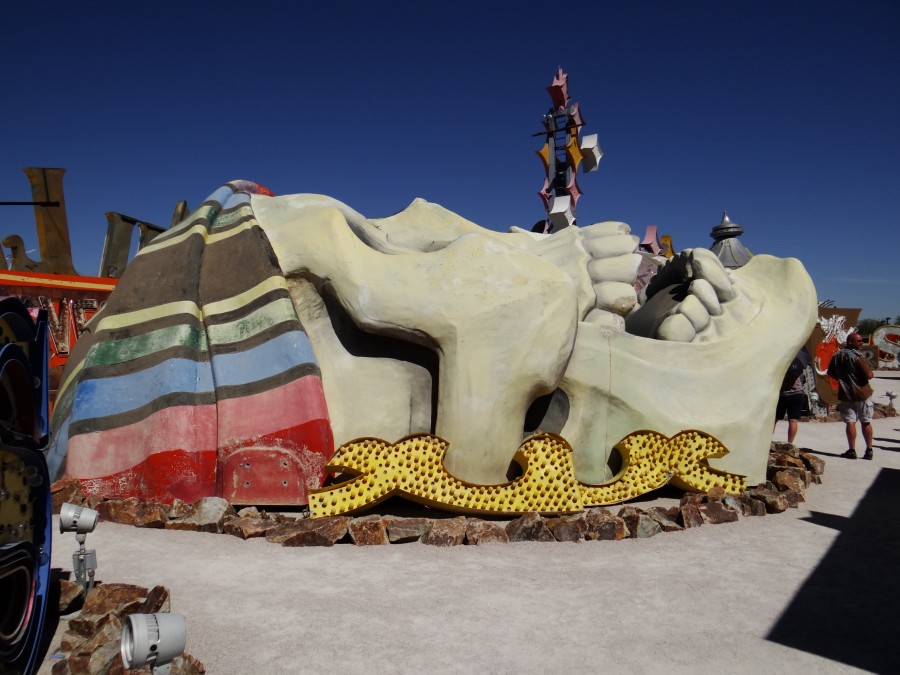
point(116, 450)
point(162, 477)
point(168, 455)
point(289, 405)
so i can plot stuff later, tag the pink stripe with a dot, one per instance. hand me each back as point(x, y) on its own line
point(288, 406)
point(193, 428)
point(102, 453)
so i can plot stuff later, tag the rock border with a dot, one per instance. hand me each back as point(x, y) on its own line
point(92, 643)
point(790, 472)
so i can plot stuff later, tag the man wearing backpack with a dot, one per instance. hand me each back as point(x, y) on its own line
point(850, 368)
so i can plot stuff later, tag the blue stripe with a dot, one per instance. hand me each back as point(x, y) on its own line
point(108, 396)
point(265, 360)
point(56, 452)
point(114, 395)
point(235, 199)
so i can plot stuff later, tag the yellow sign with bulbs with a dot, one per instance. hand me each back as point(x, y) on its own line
point(413, 467)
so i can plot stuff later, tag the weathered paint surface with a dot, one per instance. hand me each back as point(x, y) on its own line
point(202, 383)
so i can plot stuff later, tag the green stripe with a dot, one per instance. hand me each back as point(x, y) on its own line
point(224, 220)
point(207, 211)
point(275, 312)
point(132, 348)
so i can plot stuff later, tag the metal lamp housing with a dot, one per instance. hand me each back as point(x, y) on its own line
point(153, 639)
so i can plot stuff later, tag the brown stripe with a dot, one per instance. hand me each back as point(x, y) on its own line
point(236, 264)
point(173, 274)
point(244, 310)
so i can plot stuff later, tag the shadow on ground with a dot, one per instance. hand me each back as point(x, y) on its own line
point(887, 444)
point(845, 611)
point(822, 452)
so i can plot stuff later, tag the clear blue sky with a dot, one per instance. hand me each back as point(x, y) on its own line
point(787, 114)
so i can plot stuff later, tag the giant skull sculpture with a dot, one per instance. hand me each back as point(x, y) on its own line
point(291, 324)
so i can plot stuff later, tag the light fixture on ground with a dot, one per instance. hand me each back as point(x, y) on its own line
point(154, 640)
point(80, 520)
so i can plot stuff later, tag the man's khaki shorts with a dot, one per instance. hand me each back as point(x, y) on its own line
point(853, 411)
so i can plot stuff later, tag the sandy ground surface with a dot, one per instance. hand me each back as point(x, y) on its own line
point(810, 590)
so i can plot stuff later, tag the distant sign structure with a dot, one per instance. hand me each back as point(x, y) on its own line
point(727, 244)
point(52, 283)
point(562, 154)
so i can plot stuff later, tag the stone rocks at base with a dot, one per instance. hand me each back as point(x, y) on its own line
point(775, 502)
point(103, 646)
point(325, 531)
point(789, 480)
point(180, 510)
point(716, 494)
point(72, 665)
point(184, 665)
point(689, 516)
point(528, 527)
point(209, 516)
point(480, 532)
point(151, 515)
point(277, 532)
point(665, 519)
point(446, 532)
point(758, 508)
point(403, 530)
point(734, 503)
point(693, 498)
point(93, 618)
point(106, 598)
point(716, 513)
point(368, 531)
point(97, 651)
point(66, 490)
point(249, 512)
point(640, 525)
point(69, 592)
point(793, 498)
point(70, 641)
point(567, 528)
point(815, 464)
point(157, 601)
point(779, 448)
point(247, 527)
point(122, 511)
point(782, 460)
point(92, 501)
point(181, 665)
point(602, 525)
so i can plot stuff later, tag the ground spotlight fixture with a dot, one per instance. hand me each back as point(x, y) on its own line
point(80, 520)
point(154, 640)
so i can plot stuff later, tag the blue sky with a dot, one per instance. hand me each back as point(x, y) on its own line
point(787, 114)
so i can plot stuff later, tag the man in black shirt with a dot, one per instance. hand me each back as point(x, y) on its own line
point(850, 368)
